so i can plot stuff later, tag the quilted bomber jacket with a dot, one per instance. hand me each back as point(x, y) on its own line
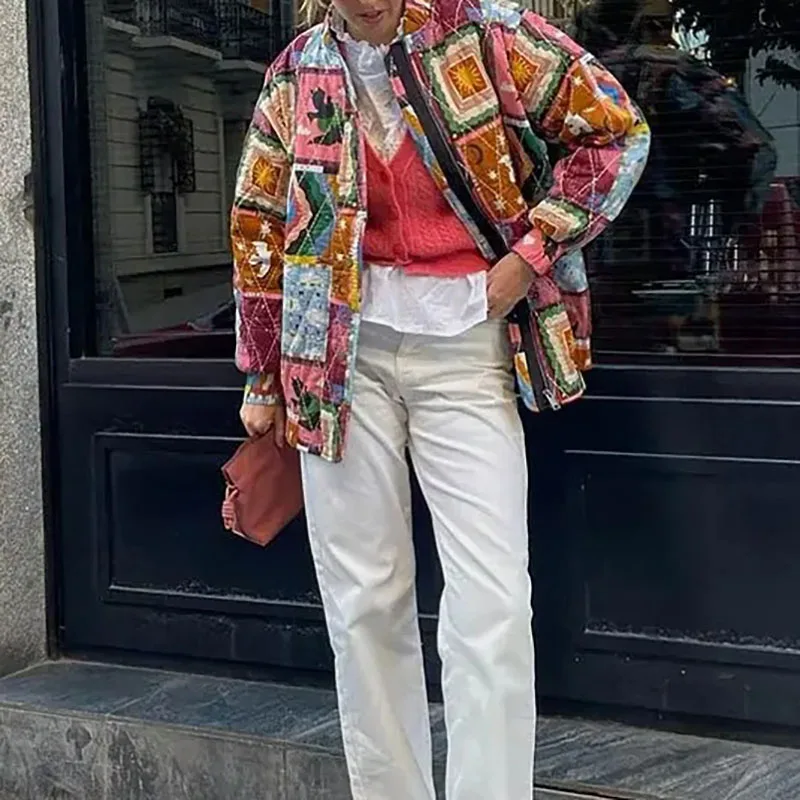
point(501, 84)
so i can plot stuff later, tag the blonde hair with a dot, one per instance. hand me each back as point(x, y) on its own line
point(312, 12)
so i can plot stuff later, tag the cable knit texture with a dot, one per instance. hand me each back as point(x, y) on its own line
point(410, 223)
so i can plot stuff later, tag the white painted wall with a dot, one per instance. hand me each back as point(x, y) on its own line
point(125, 198)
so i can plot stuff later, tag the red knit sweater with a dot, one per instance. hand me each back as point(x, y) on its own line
point(409, 222)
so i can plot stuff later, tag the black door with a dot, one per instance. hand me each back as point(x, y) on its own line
point(663, 530)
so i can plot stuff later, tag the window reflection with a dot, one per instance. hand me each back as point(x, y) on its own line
point(172, 84)
point(705, 257)
point(698, 263)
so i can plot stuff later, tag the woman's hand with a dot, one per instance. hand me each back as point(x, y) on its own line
point(507, 282)
point(259, 420)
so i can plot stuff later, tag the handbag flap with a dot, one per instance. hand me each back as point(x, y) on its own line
point(264, 489)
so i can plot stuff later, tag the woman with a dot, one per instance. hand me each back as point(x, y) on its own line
point(371, 321)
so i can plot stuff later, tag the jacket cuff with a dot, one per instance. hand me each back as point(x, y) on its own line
point(530, 248)
point(261, 389)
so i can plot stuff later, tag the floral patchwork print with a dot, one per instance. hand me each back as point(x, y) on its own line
point(258, 326)
point(558, 340)
point(531, 163)
point(258, 233)
point(274, 116)
point(502, 83)
point(265, 174)
point(302, 394)
point(569, 273)
point(631, 165)
point(486, 152)
point(337, 386)
point(560, 219)
point(258, 225)
point(327, 117)
point(322, 118)
point(342, 258)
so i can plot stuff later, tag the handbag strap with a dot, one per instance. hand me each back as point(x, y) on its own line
point(521, 313)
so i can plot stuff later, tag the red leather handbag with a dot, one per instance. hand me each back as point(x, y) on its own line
point(263, 490)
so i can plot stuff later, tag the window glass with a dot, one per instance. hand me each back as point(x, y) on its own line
point(172, 85)
point(704, 259)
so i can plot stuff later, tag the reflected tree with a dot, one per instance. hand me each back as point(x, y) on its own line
point(739, 29)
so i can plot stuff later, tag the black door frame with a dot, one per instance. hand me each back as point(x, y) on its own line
point(53, 182)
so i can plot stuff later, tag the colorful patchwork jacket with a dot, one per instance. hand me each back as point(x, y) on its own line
point(501, 83)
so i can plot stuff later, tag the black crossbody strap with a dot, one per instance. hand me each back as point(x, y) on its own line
point(521, 314)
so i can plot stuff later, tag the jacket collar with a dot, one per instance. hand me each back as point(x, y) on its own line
point(417, 14)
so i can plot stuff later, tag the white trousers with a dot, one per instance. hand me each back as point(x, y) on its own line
point(450, 401)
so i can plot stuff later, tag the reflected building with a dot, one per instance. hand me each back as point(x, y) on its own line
point(174, 85)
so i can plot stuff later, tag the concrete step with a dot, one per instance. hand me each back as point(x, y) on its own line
point(79, 731)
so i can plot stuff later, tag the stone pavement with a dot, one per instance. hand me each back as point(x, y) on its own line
point(81, 731)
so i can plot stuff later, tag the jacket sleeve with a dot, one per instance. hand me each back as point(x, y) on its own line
point(257, 237)
point(572, 101)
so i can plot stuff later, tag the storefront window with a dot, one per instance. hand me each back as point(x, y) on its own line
point(677, 280)
point(705, 258)
point(693, 266)
point(172, 88)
